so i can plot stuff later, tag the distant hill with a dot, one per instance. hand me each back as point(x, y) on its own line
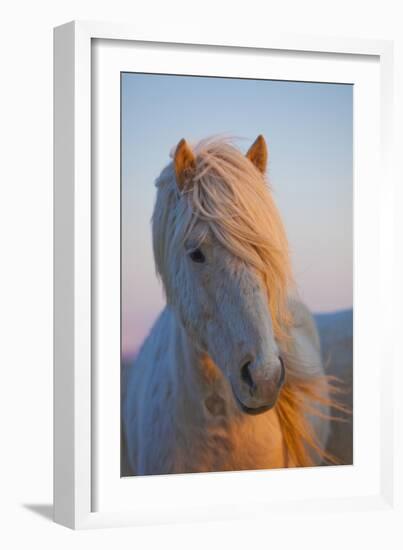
point(336, 337)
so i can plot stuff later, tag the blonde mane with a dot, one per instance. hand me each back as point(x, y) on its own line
point(234, 200)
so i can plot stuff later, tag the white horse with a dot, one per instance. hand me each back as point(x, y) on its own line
point(230, 376)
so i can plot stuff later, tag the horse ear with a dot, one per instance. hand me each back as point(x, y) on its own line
point(185, 163)
point(257, 153)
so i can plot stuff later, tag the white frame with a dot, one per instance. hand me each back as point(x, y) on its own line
point(73, 250)
point(109, 490)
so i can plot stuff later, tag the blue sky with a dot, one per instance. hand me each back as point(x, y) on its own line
point(308, 129)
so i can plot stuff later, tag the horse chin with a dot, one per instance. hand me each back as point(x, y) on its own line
point(254, 410)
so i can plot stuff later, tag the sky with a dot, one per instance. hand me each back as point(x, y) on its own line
point(309, 130)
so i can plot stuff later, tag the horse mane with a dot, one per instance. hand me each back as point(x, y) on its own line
point(235, 201)
point(299, 398)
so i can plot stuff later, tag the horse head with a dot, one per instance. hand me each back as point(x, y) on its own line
point(221, 251)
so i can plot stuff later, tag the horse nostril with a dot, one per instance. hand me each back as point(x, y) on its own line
point(246, 376)
point(282, 374)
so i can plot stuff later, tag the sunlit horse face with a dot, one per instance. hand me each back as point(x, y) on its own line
point(222, 301)
point(226, 310)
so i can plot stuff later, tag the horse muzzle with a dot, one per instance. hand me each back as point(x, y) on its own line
point(257, 388)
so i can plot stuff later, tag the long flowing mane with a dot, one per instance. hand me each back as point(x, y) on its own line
point(234, 200)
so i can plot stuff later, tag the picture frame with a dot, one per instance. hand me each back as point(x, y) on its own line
point(88, 492)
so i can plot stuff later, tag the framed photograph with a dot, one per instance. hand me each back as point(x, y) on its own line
point(221, 276)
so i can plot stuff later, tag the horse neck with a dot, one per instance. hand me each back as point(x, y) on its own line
point(193, 372)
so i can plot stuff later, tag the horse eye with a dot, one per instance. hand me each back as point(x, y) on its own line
point(197, 256)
